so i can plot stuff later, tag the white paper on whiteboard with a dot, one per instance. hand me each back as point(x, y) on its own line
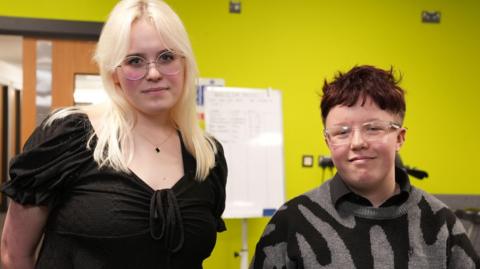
point(248, 123)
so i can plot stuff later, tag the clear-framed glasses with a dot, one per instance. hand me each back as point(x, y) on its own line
point(370, 131)
point(136, 67)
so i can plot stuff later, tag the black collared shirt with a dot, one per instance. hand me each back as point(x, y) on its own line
point(339, 191)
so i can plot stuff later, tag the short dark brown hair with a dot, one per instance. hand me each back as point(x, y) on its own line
point(362, 82)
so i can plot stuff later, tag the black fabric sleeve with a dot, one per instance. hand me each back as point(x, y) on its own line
point(49, 159)
point(219, 180)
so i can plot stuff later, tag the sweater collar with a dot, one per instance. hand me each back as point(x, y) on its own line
point(340, 191)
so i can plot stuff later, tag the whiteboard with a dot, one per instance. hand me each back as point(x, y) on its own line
point(248, 123)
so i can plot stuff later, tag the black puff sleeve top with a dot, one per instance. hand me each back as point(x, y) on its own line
point(101, 218)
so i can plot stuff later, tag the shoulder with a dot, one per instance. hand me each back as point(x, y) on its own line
point(220, 161)
point(300, 200)
point(294, 208)
point(313, 204)
point(216, 145)
point(281, 234)
point(63, 131)
point(63, 117)
point(60, 125)
point(95, 114)
point(424, 199)
point(69, 121)
point(435, 211)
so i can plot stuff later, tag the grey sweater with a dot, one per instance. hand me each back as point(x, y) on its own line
point(309, 232)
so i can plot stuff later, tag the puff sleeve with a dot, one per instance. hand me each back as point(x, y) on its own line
point(51, 157)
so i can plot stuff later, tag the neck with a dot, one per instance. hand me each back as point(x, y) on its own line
point(156, 124)
point(155, 132)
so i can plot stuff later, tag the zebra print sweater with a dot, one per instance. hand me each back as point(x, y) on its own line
point(309, 232)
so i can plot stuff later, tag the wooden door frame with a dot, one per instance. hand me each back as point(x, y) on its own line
point(31, 29)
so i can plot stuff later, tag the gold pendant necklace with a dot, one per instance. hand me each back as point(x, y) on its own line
point(155, 146)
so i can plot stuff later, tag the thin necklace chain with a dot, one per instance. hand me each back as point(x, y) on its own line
point(157, 146)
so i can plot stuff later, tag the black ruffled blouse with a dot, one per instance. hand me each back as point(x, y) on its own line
point(100, 218)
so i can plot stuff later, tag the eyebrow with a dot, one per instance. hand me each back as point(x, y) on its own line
point(367, 121)
point(143, 55)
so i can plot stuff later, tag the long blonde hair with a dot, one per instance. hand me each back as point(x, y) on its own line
point(114, 137)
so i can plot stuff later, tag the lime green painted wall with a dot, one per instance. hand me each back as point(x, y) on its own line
point(82, 10)
point(294, 45)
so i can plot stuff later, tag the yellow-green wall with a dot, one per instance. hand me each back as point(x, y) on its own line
point(294, 45)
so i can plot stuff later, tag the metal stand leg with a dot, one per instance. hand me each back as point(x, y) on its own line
point(244, 250)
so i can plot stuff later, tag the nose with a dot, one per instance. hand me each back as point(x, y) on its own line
point(357, 141)
point(152, 72)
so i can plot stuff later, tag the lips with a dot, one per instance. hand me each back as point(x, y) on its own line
point(360, 158)
point(156, 89)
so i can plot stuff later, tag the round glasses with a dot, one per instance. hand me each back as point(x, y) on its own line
point(136, 67)
point(370, 131)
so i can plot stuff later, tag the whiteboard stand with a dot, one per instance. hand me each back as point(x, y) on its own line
point(244, 250)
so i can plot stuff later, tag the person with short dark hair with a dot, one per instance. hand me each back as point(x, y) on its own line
point(368, 215)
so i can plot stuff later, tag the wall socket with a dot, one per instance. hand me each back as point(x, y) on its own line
point(307, 160)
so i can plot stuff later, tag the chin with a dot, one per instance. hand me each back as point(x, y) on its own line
point(161, 106)
point(361, 184)
point(360, 177)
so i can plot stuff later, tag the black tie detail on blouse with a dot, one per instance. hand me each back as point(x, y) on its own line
point(165, 220)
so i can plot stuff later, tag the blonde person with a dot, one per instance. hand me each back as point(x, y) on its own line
point(132, 183)
point(368, 215)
